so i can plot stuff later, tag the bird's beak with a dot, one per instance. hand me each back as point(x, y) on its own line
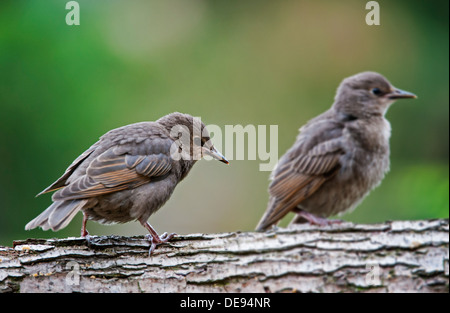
point(215, 154)
point(400, 94)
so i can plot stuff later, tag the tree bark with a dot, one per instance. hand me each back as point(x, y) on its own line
point(401, 256)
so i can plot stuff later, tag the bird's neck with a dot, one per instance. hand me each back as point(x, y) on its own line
point(371, 133)
point(348, 113)
point(186, 166)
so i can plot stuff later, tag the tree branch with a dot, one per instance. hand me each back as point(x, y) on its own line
point(401, 256)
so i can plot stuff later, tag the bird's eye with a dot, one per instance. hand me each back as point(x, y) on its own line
point(197, 141)
point(376, 91)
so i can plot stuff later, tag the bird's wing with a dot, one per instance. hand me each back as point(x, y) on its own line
point(61, 182)
point(298, 176)
point(113, 170)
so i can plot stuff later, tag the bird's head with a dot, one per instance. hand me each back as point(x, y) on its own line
point(367, 94)
point(191, 137)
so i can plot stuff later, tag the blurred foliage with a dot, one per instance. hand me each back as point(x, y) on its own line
point(230, 62)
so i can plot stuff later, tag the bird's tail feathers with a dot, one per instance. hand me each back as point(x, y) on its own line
point(267, 220)
point(57, 216)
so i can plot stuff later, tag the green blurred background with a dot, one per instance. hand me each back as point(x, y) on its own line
point(229, 62)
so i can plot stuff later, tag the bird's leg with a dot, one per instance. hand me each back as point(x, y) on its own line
point(312, 219)
point(84, 232)
point(154, 238)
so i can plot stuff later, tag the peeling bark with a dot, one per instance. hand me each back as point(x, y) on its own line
point(401, 256)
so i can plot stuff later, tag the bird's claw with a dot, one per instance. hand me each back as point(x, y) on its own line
point(166, 237)
point(152, 244)
point(88, 239)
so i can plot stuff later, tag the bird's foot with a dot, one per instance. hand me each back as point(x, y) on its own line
point(313, 219)
point(88, 240)
point(87, 237)
point(154, 238)
point(157, 240)
point(320, 221)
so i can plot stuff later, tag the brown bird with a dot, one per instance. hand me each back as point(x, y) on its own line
point(338, 157)
point(128, 174)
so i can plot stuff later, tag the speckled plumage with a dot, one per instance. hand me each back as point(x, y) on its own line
point(338, 157)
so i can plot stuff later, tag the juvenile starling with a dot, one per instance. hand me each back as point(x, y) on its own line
point(338, 157)
point(128, 174)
